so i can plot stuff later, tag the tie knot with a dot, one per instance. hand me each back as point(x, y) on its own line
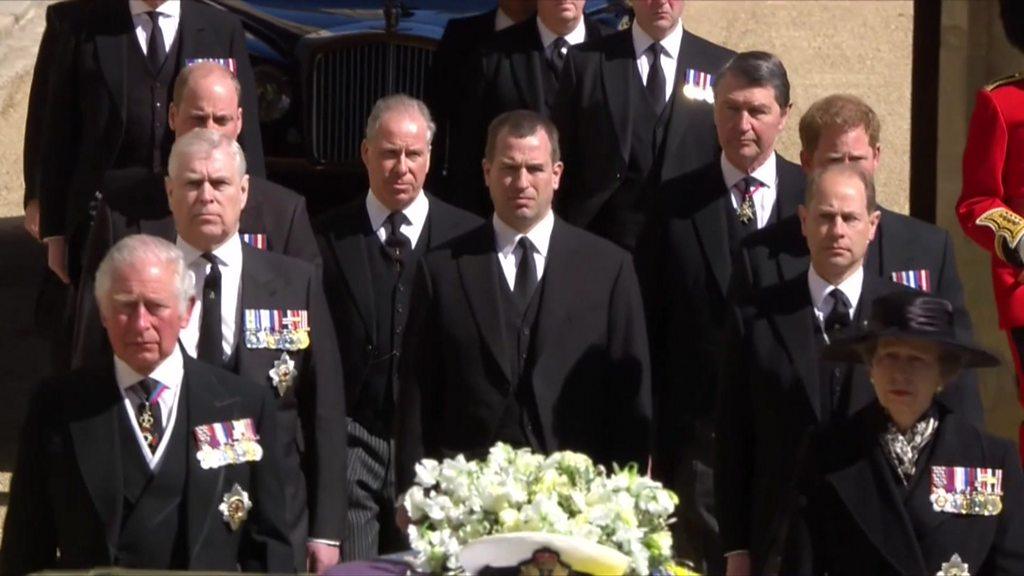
point(560, 46)
point(144, 389)
point(840, 302)
point(395, 221)
point(209, 257)
point(524, 245)
point(654, 50)
point(748, 185)
point(154, 16)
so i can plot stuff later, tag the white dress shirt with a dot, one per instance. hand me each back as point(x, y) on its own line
point(669, 55)
point(229, 260)
point(415, 217)
point(506, 238)
point(820, 288)
point(765, 194)
point(170, 373)
point(577, 36)
point(170, 16)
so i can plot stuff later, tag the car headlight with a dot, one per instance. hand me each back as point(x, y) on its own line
point(275, 92)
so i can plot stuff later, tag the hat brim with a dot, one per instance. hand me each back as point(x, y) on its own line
point(509, 550)
point(851, 347)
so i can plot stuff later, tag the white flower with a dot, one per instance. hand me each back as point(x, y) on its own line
point(426, 473)
point(414, 503)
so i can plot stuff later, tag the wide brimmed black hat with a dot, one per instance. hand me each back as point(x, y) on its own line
point(908, 315)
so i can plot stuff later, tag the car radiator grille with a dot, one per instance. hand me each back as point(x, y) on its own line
point(347, 81)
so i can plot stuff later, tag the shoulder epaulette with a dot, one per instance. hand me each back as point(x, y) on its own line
point(1004, 81)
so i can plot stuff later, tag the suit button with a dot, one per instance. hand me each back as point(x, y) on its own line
point(836, 372)
point(526, 331)
point(401, 288)
point(398, 308)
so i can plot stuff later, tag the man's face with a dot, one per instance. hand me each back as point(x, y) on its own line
point(142, 314)
point(397, 159)
point(839, 146)
point(558, 14)
point(748, 120)
point(658, 18)
point(206, 197)
point(209, 102)
point(838, 226)
point(522, 179)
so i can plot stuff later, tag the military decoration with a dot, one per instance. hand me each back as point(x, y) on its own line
point(1007, 226)
point(916, 279)
point(276, 329)
point(228, 63)
point(955, 567)
point(235, 507)
point(257, 241)
point(282, 375)
point(967, 491)
point(697, 86)
point(746, 212)
point(223, 443)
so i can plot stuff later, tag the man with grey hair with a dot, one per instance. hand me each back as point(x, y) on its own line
point(263, 316)
point(124, 463)
point(370, 249)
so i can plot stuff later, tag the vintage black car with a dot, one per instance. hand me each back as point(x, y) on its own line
point(321, 64)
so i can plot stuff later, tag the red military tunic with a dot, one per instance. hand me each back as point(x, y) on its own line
point(991, 204)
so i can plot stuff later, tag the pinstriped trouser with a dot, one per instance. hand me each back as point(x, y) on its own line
point(371, 484)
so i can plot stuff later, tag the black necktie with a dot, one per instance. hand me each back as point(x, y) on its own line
point(656, 78)
point(210, 348)
point(396, 244)
point(839, 317)
point(156, 50)
point(559, 48)
point(526, 273)
point(147, 411)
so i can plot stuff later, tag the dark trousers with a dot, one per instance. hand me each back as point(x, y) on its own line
point(695, 533)
point(371, 500)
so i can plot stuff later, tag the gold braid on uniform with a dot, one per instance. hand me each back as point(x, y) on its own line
point(1009, 228)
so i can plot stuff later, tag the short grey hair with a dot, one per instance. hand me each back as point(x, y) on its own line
point(395, 103)
point(138, 248)
point(858, 173)
point(203, 142)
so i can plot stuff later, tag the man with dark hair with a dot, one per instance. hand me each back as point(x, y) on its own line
point(370, 250)
point(148, 460)
point(684, 260)
point(525, 330)
point(634, 109)
point(518, 69)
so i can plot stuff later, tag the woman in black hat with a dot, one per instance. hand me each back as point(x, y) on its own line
point(906, 486)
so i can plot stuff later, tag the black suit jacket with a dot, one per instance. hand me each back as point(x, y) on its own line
point(588, 366)
point(349, 286)
point(594, 115)
point(769, 400)
point(778, 253)
point(66, 494)
point(866, 522)
point(684, 261)
point(85, 109)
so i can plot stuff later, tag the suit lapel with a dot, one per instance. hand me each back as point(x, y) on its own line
point(191, 34)
point(682, 109)
point(795, 323)
point(712, 229)
point(862, 392)
point(874, 262)
point(527, 71)
point(478, 272)
point(350, 251)
point(617, 75)
point(97, 448)
point(114, 39)
point(204, 400)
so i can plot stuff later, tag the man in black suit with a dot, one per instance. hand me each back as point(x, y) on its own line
point(773, 388)
point(263, 316)
point(842, 128)
point(111, 73)
point(127, 463)
point(518, 68)
point(459, 44)
point(684, 260)
point(525, 330)
point(634, 109)
point(370, 250)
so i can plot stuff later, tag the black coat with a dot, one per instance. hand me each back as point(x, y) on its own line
point(85, 102)
point(588, 362)
point(594, 114)
point(684, 261)
point(67, 496)
point(901, 243)
point(349, 285)
point(866, 522)
point(769, 399)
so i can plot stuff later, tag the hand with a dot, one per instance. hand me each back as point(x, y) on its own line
point(57, 257)
point(321, 556)
point(32, 218)
point(737, 564)
point(402, 518)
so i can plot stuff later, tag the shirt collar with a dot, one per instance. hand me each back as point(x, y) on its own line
point(669, 46)
point(228, 254)
point(170, 8)
point(416, 212)
point(501, 20)
point(577, 36)
point(506, 237)
point(820, 288)
point(765, 173)
point(169, 372)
